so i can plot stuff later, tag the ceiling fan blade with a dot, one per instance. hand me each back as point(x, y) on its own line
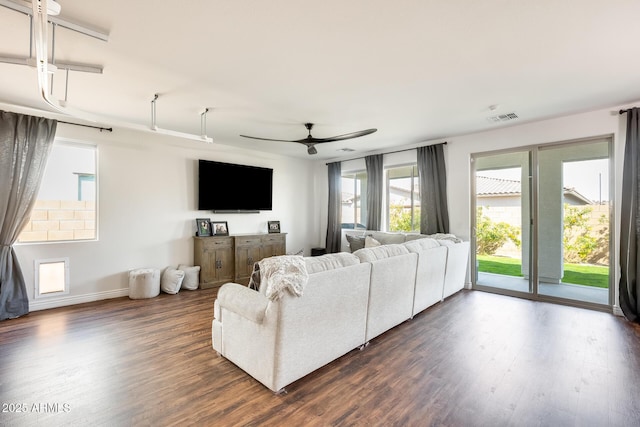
point(269, 139)
point(345, 136)
point(310, 141)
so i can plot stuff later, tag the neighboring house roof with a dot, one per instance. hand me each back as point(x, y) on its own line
point(492, 187)
point(486, 186)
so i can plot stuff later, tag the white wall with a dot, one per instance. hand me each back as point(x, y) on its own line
point(147, 185)
point(458, 157)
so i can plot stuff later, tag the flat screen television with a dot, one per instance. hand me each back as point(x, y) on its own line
point(234, 188)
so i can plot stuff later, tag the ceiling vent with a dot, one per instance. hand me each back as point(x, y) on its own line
point(503, 118)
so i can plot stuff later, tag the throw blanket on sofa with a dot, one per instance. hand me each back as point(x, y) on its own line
point(282, 273)
point(445, 236)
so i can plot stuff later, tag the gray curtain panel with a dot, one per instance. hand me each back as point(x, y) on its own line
point(334, 217)
point(434, 213)
point(629, 221)
point(375, 185)
point(25, 144)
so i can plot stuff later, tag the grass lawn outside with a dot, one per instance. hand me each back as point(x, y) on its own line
point(579, 274)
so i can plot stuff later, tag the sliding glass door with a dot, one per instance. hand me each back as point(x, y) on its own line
point(502, 228)
point(573, 233)
point(542, 220)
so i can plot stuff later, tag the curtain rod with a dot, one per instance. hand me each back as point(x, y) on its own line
point(625, 111)
point(390, 152)
point(87, 126)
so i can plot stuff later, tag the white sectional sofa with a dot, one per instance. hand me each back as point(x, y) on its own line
point(348, 300)
point(392, 286)
point(431, 272)
point(278, 342)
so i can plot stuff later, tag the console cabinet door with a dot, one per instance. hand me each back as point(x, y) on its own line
point(224, 257)
point(214, 255)
point(273, 245)
point(247, 253)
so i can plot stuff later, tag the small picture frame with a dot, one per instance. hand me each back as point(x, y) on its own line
point(273, 226)
point(203, 227)
point(219, 228)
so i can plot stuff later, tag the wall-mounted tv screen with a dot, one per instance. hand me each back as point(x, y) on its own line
point(234, 188)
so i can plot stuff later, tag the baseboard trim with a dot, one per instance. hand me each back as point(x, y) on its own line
point(76, 299)
point(617, 311)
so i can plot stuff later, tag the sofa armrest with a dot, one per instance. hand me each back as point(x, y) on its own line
point(243, 301)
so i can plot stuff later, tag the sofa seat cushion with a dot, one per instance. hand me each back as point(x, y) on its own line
point(330, 262)
point(381, 252)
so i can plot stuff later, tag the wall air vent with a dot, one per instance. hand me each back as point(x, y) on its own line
point(503, 118)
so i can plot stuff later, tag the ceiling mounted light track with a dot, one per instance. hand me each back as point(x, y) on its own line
point(203, 123)
point(153, 112)
point(26, 8)
point(38, 12)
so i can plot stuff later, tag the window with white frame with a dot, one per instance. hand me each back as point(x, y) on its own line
point(403, 198)
point(354, 203)
point(65, 208)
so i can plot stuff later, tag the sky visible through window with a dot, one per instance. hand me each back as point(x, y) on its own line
point(588, 177)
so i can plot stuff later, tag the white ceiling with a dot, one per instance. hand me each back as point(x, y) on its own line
point(416, 70)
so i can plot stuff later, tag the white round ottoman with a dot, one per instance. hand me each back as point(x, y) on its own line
point(144, 283)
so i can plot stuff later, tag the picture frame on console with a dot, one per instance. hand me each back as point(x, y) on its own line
point(203, 227)
point(273, 226)
point(219, 228)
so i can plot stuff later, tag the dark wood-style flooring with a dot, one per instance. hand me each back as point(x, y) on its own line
point(476, 359)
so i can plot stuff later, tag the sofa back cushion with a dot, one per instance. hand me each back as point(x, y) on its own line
point(380, 252)
point(414, 236)
point(330, 262)
point(421, 244)
point(387, 238)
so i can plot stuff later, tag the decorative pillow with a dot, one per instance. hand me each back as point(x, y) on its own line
point(446, 236)
point(191, 277)
point(171, 280)
point(355, 242)
point(370, 242)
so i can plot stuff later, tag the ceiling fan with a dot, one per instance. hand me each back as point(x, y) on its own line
point(310, 141)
